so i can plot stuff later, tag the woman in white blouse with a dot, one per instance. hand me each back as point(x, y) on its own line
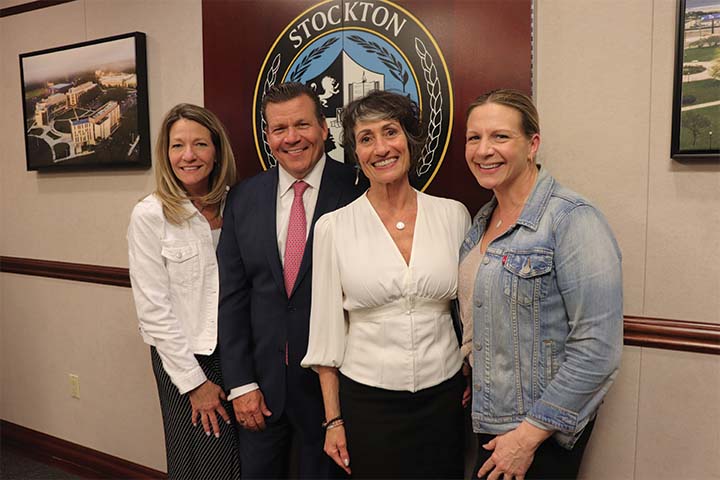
point(381, 333)
point(172, 237)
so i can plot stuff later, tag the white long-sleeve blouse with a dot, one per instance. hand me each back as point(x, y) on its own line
point(381, 321)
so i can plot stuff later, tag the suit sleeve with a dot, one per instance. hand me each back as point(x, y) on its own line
point(234, 328)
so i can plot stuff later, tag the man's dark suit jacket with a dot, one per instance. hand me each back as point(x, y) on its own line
point(256, 317)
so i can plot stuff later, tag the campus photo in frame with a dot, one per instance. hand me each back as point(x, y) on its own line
point(696, 99)
point(86, 105)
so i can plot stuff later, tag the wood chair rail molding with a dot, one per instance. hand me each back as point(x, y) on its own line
point(68, 271)
point(639, 331)
point(672, 334)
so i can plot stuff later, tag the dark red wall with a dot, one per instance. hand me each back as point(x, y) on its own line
point(486, 44)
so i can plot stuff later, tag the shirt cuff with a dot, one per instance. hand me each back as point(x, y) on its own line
point(540, 425)
point(190, 380)
point(553, 417)
point(242, 390)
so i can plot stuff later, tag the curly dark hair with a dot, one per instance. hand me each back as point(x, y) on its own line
point(384, 105)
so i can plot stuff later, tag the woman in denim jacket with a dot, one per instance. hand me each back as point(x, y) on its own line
point(540, 289)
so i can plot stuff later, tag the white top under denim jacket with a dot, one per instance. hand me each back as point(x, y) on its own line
point(382, 322)
point(547, 327)
point(174, 276)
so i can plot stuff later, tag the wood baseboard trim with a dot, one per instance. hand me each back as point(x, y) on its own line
point(639, 331)
point(71, 457)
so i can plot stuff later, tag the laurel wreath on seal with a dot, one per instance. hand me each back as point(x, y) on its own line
point(435, 117)
point(395, 67)
point(314, 54)
point(387, 58)
point(269, 83)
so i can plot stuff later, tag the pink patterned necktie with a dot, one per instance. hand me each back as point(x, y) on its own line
point(296, 236)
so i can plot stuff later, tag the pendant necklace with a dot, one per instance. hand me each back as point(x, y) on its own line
point(512, 210)
point(400, 225)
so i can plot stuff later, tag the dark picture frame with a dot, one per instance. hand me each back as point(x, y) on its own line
point(696, 95)
point(85, 105)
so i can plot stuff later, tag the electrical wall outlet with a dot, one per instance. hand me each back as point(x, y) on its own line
point(74, 385)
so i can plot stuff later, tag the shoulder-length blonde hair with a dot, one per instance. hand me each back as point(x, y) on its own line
point(169, 189)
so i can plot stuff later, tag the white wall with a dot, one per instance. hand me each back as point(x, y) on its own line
point(50, 327)
point(604, 90)
point(604, 77)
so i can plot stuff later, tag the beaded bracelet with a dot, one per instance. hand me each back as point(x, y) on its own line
point(336, 423)
point(326, 424)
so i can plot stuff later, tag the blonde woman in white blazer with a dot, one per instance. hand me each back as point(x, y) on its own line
point(172, 237)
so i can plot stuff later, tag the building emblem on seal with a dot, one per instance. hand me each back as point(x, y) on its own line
point(344, 50)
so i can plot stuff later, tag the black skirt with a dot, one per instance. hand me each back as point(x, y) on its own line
point(190, 453)
point(400, 434)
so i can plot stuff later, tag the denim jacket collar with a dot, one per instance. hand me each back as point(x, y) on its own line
point(538, 200)
point(529, 217)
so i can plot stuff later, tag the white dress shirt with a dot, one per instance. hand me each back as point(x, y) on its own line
point(381, 321)
point(285, 196)
point(174, 277)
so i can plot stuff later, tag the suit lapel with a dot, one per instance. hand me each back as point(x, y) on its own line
point(269, 228)
point(328, 200)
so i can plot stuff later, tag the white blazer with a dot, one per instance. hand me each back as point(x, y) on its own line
point(175, 284)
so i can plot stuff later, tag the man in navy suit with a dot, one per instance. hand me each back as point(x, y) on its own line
point(263, 318)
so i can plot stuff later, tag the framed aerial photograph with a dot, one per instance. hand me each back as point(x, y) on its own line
point(696, 98)
point(86, 105)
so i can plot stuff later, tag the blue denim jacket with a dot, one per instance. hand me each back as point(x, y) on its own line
point(547, 315)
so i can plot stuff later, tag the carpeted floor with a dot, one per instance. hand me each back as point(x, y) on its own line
point(14, 466)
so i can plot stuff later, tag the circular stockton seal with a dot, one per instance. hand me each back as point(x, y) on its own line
point(344, 50)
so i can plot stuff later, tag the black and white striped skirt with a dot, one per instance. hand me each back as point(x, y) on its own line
point(190, 453)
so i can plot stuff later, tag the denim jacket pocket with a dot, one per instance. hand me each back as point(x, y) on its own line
point(182, 261)
point(524, 270)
